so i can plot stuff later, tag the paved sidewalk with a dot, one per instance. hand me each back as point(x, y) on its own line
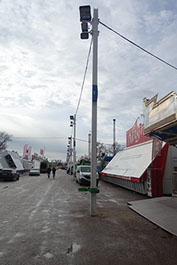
point(50, 222)
point(160, 211)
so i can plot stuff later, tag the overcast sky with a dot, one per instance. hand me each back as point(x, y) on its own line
point(42, 62)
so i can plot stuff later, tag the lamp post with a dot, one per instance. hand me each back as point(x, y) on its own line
point(89, 142)
point(95, 22)
point(73, 123)
point(69, 150)
point(74, 149)
point(85, 17)
point(114, 137)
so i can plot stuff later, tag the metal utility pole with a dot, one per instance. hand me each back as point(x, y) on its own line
point(69, 150)
point(74, 148)
point(95, 22)
point(89, 142)
point(85, 18)
point(73, 123)
point(114, 137)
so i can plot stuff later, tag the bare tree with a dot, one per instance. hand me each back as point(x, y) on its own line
point(4, 139)
point(118, 147)
point(101, 150)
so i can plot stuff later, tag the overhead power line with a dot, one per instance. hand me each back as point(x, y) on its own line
point(81, 140)
point(85, 73)
point(46, 138)
point(120, 35)
point(82, 87)
point(39, 138)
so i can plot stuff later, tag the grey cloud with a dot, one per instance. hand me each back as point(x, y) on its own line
point(45, 61)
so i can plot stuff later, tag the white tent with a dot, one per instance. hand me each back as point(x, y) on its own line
point(10, 159)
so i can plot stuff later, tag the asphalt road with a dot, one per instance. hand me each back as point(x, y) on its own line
point(47, 221)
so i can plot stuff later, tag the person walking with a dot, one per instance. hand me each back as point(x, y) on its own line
point(48, 171)
point(53, 171)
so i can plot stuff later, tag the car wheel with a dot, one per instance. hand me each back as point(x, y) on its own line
point(80, 183)
point(14, 178)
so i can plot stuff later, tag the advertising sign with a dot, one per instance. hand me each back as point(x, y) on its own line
point(136, 134)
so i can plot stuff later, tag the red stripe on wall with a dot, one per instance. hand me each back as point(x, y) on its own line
point(121, 177)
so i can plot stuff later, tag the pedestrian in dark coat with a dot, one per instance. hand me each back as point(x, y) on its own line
point(48, 172)
point(53, 170)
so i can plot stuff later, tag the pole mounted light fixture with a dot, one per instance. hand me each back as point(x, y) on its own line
point(84, 34)
point(73, 124)
point(85, 17)
point(85, 14)
point(71, 120)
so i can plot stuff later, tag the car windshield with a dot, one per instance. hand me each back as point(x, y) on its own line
point(85, 169)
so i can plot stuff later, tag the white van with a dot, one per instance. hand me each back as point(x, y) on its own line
point(83, 175)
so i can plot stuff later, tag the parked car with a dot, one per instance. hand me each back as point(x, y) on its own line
point(9, 174)
point(83, 174)
point(34, 172)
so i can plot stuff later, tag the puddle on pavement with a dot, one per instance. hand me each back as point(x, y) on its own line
point(48, 255)
point(73, 248)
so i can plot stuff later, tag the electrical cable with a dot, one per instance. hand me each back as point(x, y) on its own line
point(158, 58)
point(83, 82)
point(81, 140)
point(40, 138)
point(46, 138)
point(82, 86)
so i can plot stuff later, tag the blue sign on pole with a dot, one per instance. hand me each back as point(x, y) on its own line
point(95, 93)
